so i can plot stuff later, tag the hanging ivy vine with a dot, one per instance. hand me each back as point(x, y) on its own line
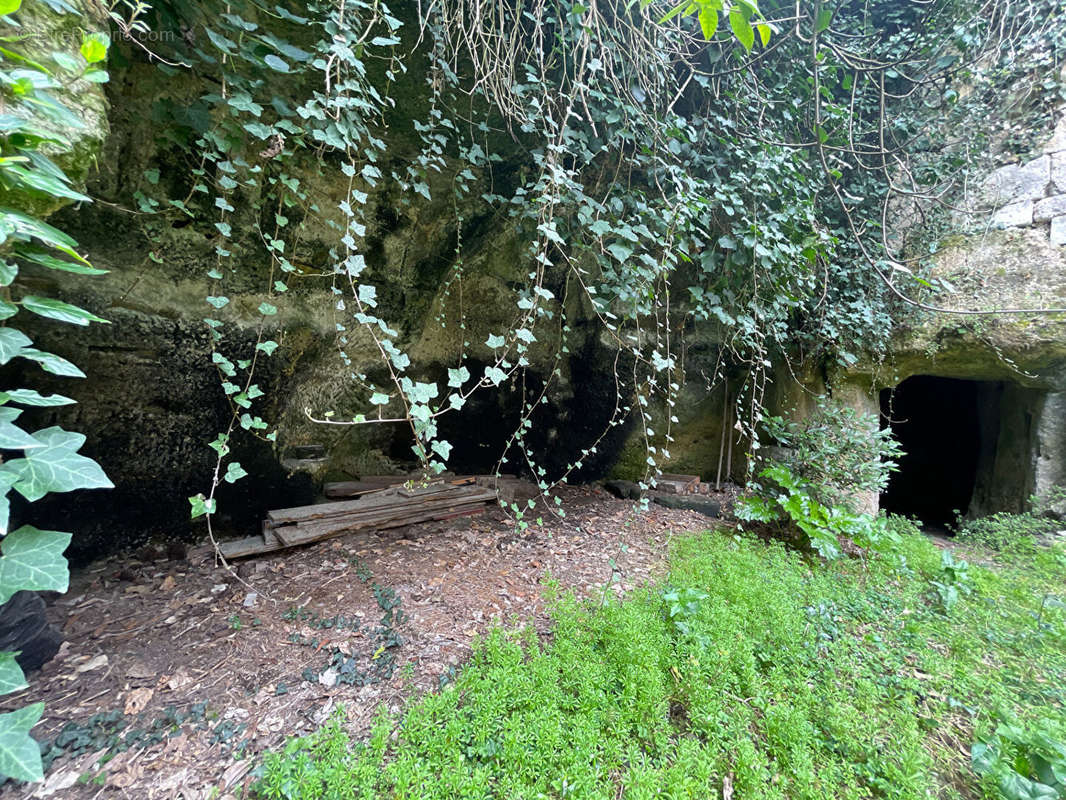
point(666, 165)
point(36, 127)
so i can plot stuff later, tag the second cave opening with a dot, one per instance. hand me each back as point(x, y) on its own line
point(967, 445)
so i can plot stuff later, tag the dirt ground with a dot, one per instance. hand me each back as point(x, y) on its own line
point(176, 674)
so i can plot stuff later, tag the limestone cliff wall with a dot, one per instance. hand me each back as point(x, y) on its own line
point(152, 400)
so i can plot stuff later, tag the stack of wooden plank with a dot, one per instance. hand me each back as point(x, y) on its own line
point(385, 508)
point(509, 488)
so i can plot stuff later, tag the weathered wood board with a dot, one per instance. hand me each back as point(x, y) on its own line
point(385, 508)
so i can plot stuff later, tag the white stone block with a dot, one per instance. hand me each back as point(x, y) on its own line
point(1050, 207)
point(1014, 215)
point(1058, 173)
point(1014, 182)
point(1057, 141)
point(1058, 230)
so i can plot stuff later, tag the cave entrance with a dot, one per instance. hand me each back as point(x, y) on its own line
point(968, 447)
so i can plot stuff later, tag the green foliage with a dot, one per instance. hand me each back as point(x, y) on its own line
point(1012, 534)
point(1026, 762)
point(665, 170)
point(681, 606)
point(31, 121)
point(952, 581)
point(787, 504)
point(837, 451)
point(618, 701)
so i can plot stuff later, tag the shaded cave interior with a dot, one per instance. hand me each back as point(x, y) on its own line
point(969, 446)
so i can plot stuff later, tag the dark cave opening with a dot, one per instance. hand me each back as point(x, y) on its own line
point(970, 447)
point(938, 422)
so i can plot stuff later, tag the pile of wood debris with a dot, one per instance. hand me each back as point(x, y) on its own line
point(379, 503)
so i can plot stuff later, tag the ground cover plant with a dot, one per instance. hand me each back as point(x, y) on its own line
point(751, 671)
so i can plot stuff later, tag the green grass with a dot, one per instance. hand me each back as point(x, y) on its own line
point(785, 677)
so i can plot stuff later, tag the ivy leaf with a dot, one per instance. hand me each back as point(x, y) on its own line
point(368, 295)
point(7, 310)
point(28, 397)
point(12, 437)
point(267, 310)
point(20, 755)
point(495, 375)
point(276, 64)
point(218, 302)
point(28, 227)
point(11, 677)
point(58, 310)
point(7, 480)
point(421, 392)
point(48, 260)
point(457, 377)
point(442, 448)
point(56, 466)
point(267, 347)
point(495, 341)
point(234, 472)
point(220, 41)
point(708, 22)
point(12, 343)
point(56, 365)
point(201, 505)
point(8, 271)
point(379, 399)
point(33, 559)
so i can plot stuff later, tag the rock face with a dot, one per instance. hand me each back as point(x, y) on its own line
point(1030, 193)
point(24, 629)
point(1015, 364)
point(153, 400)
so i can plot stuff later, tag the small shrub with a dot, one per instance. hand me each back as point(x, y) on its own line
point(837, 452)
point(785, 502)
point(1006, 532)
point(952, 582)
point(1027, 763)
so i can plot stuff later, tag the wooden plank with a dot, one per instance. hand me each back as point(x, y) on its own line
point(473, 512)
point(311, 531)
point(375, 506)
point(339, 489)
point(389, 510)
point(249, 546)
point(378, 499)
point(374, 500)
point(269, 535)
point(266, 542)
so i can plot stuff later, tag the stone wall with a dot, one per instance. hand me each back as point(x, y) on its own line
point(1032, 193)
point(152, 401)
point(1009, 253)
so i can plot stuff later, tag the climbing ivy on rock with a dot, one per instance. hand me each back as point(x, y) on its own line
point(727, 167)
point(35, 463)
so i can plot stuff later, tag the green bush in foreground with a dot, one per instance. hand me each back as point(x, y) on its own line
point(751, 668)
